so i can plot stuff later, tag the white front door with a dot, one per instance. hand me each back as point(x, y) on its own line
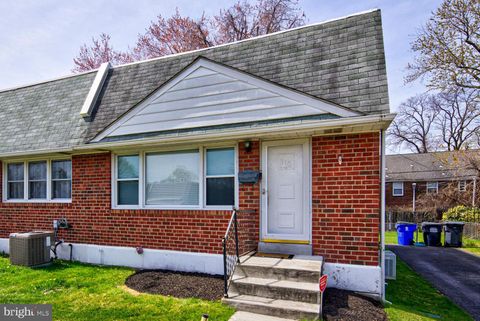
point(285, 192)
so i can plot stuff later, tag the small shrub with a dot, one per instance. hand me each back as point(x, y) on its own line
point(462, 213)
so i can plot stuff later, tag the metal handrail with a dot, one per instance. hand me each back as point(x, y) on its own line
point(233, 223)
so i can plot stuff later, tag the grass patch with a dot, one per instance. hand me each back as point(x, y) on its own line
point(414, 299)
point(86, 292)
point(471, 245)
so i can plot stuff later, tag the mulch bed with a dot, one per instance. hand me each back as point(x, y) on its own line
point(177, 284)
point(349, 306)
point(339, 304)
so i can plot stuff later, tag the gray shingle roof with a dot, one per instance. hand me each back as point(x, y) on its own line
point(45, 116)
point(341, 61)
point(441, 166)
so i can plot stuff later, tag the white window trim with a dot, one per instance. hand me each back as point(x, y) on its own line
point(38, 180)
point(26, 181)
point(235, 177)
point(393, 189)
point(127, 179)
point(436, 187)
point(142, 179)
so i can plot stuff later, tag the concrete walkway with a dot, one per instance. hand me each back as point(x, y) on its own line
point(247, 316)
point(453, 272)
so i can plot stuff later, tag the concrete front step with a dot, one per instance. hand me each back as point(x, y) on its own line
point(247, 316)
point(276, 289)
point(280, 269)
point(274, 307)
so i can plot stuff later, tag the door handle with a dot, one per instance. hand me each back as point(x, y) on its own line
point(264, 191)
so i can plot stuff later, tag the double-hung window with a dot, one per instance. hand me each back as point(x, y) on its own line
point(127, 179)
point(15, 181)
point(39, 180)
point(220, 177)
point(397, 188)
point(432, 187)
point(61, 179)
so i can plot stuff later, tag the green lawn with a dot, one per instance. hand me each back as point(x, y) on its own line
point(87, 292)
point(469, 245)
point(414, 299)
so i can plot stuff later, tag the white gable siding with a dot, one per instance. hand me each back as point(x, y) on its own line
point(208, 94)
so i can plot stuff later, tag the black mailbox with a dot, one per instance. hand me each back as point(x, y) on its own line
point(249, 177)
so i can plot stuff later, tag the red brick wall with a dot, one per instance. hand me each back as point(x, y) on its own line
point(95, 222)
point(346, 198)
point(345, 209)
point(249, 195)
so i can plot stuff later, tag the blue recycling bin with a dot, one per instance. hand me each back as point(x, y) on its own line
point(405, 231)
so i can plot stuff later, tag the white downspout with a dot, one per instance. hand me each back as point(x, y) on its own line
point(382, 213)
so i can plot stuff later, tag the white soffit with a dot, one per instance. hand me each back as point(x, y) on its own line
point(95, 89)
point(208, 94)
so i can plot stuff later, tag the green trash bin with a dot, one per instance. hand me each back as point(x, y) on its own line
point(453, 233)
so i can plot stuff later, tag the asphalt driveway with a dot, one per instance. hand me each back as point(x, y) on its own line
point(453, 272)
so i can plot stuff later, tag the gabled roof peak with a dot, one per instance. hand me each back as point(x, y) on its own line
point(207, 93)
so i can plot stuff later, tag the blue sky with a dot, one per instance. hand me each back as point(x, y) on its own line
point(38, 39)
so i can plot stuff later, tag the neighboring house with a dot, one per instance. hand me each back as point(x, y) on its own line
point(149, 154)
point(410, 176)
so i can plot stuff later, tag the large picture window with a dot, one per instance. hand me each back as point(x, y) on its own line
point(195, 178)
point(172, 178)
point(39, 180)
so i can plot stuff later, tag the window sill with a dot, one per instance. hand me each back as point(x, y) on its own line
point(172, 208)
point(20, 201)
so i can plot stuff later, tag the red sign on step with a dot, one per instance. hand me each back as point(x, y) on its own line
point(323, 283)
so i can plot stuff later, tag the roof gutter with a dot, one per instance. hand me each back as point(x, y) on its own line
point(316, 128)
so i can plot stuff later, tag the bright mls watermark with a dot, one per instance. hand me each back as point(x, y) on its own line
point(30, 312)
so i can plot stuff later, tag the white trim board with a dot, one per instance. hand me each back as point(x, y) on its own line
point(307, 223)
point(358, 278)
point(127, 256)
point(207, 93)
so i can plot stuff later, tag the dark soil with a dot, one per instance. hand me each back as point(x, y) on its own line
point(338, 304)
point(349, 306)
point(177, 284)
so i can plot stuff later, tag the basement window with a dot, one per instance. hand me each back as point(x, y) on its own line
point(47, 180)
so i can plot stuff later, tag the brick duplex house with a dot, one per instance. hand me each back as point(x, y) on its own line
point(150, 154)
